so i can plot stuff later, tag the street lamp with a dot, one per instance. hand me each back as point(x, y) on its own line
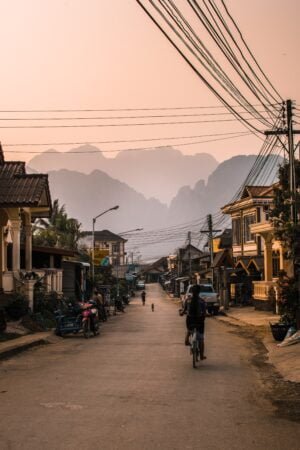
point(93, 236)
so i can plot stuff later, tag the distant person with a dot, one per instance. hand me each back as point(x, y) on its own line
point(143, 295)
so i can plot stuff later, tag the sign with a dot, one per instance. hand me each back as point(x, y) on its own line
point(101, 256)
point(129, 277)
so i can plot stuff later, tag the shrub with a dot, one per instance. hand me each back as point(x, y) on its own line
point(17, 307)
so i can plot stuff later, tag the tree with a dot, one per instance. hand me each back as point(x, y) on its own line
point(288, 233)
point(57, 231)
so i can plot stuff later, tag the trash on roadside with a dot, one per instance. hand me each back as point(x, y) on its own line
point(292, 339)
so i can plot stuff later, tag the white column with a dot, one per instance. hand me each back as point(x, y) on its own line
point(15, 227)
point(28, 247)
point(268, 266)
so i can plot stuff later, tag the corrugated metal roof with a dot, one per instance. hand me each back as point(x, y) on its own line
point(105, 236)
point(20, 189)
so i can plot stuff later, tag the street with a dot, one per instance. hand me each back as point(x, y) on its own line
point(134, 388)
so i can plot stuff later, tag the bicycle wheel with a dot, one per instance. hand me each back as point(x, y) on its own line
point(194, 352)
point(87, 328)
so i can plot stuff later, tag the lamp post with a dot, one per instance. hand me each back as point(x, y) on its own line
point(93, 236)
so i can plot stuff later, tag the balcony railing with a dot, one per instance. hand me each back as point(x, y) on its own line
point(50, 278)
point(261, 289)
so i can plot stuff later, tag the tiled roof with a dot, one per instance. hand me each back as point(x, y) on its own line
point(20, 189)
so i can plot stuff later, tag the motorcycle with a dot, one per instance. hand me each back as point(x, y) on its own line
point(75, 318)
point(126, 299)
point(90, 319)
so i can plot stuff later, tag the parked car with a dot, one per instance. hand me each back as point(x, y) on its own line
point(208, 293)
point(140, 285)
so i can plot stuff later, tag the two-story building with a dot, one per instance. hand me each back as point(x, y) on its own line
point(258, 256)
point(23, 198)
point(107, 245)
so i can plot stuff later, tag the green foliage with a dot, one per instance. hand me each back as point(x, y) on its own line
point(45, 304)
point(288, 233)
point(17, 307)
point(285, 229)
point(57, 231)
point(288, 298)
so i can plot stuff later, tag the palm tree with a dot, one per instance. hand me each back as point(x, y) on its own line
point(58, 230)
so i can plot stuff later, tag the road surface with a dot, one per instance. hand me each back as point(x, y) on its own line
point(134, 388)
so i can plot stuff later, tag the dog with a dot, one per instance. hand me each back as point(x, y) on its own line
point(152, 306)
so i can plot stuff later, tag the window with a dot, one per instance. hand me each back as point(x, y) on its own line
point(116, 248)
point(248, 220)
point(236, 231)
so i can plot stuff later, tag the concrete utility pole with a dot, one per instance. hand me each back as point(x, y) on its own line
point(289, 132)
point(210, 233)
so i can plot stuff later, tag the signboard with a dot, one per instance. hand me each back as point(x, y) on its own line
point(101, 257)
point(129, 277)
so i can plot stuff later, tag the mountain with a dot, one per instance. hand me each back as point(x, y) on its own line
point(158, 172)
point(195, 202)
point(86, 196)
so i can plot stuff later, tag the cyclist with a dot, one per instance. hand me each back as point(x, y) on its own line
point(143, 295)
point(196, 311)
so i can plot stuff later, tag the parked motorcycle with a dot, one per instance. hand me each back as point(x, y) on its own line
point(126, 299)
point(75, 318)
point(90, 319)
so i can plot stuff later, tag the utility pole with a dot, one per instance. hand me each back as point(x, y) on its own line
point(210, 233)
point(190, 260)
point(289, 132)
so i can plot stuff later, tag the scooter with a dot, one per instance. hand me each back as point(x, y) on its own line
point(90, 319)
point(76, 318)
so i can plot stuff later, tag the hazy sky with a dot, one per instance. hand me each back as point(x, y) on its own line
point(78, 54)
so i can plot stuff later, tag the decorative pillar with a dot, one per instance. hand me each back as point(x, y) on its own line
point(28, 247)
point(16, 227)
point(268, 266)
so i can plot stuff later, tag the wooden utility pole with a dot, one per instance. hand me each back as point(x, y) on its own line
point(210, 233)
point(289, 132)
point(190, 259)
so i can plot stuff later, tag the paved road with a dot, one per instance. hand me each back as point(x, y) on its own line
point(134, 388)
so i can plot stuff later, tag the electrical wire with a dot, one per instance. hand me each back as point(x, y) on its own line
point(161, 147)
point(121, 141)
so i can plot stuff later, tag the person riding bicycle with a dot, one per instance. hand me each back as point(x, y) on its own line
point(196, 312)
point(143, 295)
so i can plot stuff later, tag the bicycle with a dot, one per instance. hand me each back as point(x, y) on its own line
point(195, 347)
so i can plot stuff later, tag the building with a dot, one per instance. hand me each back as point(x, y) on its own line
point(258, 256)
point(23, 198)
point(107, 245)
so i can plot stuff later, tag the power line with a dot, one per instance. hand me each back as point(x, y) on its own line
point(121, 141)
point(159, 108)
point(160, 116)
point(117, 124)
point(127, 149)
point(215, 69)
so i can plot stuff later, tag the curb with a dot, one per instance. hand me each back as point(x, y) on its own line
point(20, 348)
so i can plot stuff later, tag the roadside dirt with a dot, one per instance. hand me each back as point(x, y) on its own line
point(284, 395)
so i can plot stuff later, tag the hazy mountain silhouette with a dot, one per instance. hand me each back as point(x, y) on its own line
point(155, 173)
point(86, 196)
point(195, 202)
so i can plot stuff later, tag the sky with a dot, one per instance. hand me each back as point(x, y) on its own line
point(100, 54)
